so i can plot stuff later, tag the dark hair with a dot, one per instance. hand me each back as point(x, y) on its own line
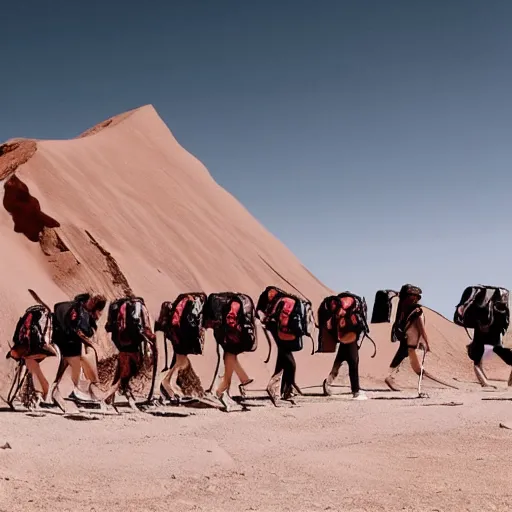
point(98, 302)
point(409, 290)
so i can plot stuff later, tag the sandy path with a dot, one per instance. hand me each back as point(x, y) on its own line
point(325, 454)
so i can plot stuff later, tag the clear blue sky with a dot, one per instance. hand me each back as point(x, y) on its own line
point(372, 137)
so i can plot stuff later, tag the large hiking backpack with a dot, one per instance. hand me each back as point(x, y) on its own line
point(268, 299)
point(482, 307)
point(63, 330)
point(382, 306)
point(290, 314)
point(214, 307)
point(126, 321)
point(182, 322)
point(32, 333)
point(291, 317)
point(233, 314)
point(338, 316)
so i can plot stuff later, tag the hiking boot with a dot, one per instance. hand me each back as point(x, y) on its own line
point(274, 387)
point(223, 399)
point(72, 396)
point(242, 385)
point(327, 388)
point(171, 397)
point(359, 395)
point(288, 393)
point(273, 396)
point(132, 403)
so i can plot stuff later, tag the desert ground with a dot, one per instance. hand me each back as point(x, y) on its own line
point(446, 452)
point(124, 208)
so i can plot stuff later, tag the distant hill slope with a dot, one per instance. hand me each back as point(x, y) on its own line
point(124, 206)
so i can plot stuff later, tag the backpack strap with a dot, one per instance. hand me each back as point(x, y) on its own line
point(366, 335)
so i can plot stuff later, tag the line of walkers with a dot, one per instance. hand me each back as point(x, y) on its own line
point(68, 329)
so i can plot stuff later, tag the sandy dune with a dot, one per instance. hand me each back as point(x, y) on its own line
point(134, 209)
point(124, 206)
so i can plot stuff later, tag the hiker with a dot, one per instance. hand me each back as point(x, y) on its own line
point(342, 319)
point(75, 323)
point(130, 327)
point(286, 317)
point(485, 309)
point(483, 345)
point(32, 345)
point(409, 330)
point(182, 323)
point(231, 316)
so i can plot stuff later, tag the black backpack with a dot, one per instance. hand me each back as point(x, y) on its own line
point(33, 331)
point(482, 307)
point(63, 331)
point(273, 303)
point(268, 298)
point(214, 307)
point(112, 316)
point(382, 306)
point(190, 331)
point(239, 330)
point(245, 338)
point(135, 324)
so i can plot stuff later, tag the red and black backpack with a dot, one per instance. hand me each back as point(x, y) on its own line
point(232, 317)
point(339, 315)
point(32, 333)
point(182, 321)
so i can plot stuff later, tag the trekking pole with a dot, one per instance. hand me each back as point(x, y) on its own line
point(38, 299)
point(155, 365)
point(269, 345)
point(166, 367)
point(421, 371)
point(209, 390)
point(17, 384)
point(266, 336)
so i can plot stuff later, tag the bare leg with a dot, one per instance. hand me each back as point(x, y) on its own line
point(390, 379)
point(245, 380)
point(182, 362)
point(415, 362)
point(35, 370)
point(482, 379)
point(169, 382)
point(230, 361)
point(90, 369)
point(56, 395)
point(240, 372)
point(395, 366)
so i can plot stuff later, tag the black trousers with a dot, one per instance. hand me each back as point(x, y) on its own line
point(476, 352)
point(401, 354)
point(285, 362)
point(348, 352)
